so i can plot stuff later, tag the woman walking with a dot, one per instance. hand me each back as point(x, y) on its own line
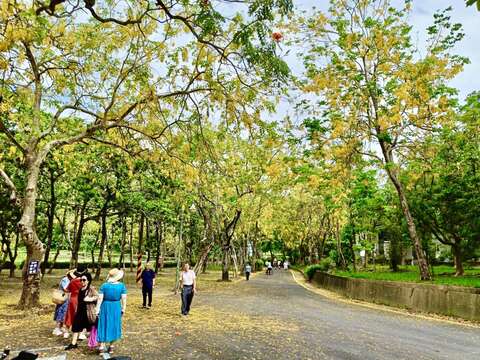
point(61, 309)
point(188, 285)
point(73, 288)
point(111, 305)
point(85, 314)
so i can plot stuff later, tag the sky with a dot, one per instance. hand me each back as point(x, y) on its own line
point(422, 16)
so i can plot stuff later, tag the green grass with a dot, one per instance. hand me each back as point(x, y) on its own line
point(443, 275)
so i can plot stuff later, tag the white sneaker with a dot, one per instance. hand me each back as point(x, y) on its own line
point(57, 332)
point(82, 336)
point(66, 335)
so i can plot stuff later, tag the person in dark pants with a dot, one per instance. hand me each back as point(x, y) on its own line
point(188, 284)
point(148, 283)
point(248, 270)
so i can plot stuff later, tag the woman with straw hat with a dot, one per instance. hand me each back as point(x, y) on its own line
point(111, 305)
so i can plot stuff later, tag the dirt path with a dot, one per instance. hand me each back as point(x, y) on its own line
point(275, 318)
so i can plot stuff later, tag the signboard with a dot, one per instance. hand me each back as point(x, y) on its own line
point(33, 267)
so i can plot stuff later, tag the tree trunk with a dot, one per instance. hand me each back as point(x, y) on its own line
point(158, 242)
point(352, 249)
point(140, 234)
point(121, 261)
point(203, 258)
point(78, 236)
point(339, 246)
point(457, 253)
point(225, 262)
point(13, 256)
point(103, 241)
point(227, 235)
point(35, 249)
point(51, 216)
point(130, 246)
point(390, 167)
point(54, 261)
point(147, 239)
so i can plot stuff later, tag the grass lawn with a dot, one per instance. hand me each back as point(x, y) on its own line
point(443, 275)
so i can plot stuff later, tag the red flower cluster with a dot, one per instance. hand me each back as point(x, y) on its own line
point(277, 36)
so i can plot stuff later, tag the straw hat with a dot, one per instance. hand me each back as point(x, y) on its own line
point(71, 273)
point(114, 275)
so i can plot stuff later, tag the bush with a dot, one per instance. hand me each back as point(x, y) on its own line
point(381, 260)
point(324, 265)
point(105, 264)
point(259, 265)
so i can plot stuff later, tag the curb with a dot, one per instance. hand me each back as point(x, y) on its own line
point(424, 316)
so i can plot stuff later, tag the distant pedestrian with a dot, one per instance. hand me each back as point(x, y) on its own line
point(285, 265)
point(188, 285)
point(148, 283)
point(248, 270)
point(73, 289)
point(112, 303)
point(85, 315)
point(61, 309)
point(269, 268)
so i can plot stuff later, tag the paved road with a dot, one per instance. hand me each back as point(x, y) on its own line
point(309, 326)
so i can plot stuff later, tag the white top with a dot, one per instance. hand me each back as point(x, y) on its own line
point(248, 268)
point(285, 265)
point(188, 277)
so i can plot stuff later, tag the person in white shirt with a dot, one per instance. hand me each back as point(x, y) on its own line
point(248, 270)
point(269, 268)
point(188, 285)
point(285, 265)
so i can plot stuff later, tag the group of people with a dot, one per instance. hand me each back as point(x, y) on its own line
point(269, 265)
point(277, 265)
point(84, 310)
point(88, 311)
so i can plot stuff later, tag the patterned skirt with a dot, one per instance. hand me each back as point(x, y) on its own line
point(60, 312)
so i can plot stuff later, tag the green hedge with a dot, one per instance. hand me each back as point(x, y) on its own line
point(105, 264)
point(324, 265)
point(259, 265)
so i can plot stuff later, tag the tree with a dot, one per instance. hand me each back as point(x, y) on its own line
point(445, 189)
point(66, 79)
point(375, 88)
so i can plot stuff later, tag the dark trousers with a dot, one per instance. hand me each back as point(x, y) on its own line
point(187, 297)
point(147, 291)
point(247, 274)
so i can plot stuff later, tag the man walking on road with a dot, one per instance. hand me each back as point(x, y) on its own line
point(248, 270)
point(148, 283)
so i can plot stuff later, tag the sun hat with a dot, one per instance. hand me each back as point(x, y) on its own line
point(115, 275)
point(71, 273)
point(80, 270)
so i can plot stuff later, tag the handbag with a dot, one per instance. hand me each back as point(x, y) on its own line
point(59, 297)
point(91, 306)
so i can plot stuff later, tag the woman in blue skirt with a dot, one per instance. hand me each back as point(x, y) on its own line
point(112, 302)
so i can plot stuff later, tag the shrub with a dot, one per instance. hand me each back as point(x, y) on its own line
point(105, 264)
point(259, 265)
point(324, 265)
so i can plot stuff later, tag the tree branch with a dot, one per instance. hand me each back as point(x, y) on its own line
point(11, 186)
